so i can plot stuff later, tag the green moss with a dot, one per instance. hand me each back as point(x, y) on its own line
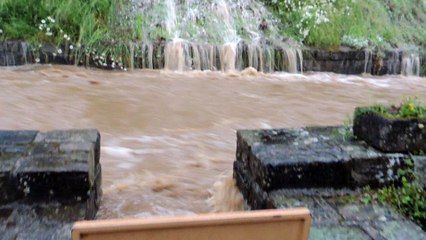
point(347, 199)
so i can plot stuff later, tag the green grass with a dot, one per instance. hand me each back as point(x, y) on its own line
point(108, 27)
point(98, 25)
point(410, 107)
point(376, 24)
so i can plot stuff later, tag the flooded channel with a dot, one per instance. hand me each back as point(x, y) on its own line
point(168, 138)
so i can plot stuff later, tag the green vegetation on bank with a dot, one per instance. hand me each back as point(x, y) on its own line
point(101, 26)
point(410, 107)
point(108, 28)
point(409, 199)
point(378, 24)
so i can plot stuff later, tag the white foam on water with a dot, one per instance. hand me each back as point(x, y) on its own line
point(225, 196)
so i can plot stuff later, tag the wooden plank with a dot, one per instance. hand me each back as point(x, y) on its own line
point(289, 224)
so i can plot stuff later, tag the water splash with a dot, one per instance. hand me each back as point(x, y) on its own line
point(226, 197)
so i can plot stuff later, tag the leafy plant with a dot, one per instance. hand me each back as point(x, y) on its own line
point(375, 24)
point(409, 198)
point(412, 108)
point(100, 29)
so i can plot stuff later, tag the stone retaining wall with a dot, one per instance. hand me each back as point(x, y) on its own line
point(352, 61)
point(324, 169)
point(49, 178)
point(344, 60)
point(314, 157)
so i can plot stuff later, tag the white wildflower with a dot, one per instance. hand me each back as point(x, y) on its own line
point(1, 31)
point(71, 47)
point(61, 31)
point(65, 36)
point(49, 33)
point(113, 65)
point(68, 38)
point(125, 69)
point(60, 51)
point(37, 60)
point(43, 21)
point(48, 29)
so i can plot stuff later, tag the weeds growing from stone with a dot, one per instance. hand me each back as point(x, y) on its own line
point(409, 198)
point(410, 107)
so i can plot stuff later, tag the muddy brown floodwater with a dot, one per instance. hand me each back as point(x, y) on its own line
point(168, 139)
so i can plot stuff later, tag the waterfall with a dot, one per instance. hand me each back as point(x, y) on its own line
point(410, 65)
point(213, 35)
point(368, 62)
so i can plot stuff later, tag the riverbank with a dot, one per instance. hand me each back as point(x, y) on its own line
point(222, 36)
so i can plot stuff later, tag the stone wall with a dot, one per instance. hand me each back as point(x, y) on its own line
point(325, 170)
point(343, 60)
point(308, 158)
point(48, 180)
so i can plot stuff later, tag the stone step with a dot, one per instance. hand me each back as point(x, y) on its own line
point(312, 157)
point(55, 166)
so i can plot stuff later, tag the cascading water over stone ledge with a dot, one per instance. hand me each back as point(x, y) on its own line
point(213, 35)
point(219, 35)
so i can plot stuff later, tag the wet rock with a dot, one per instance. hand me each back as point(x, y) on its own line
point(399, 230)
point(367, 212)
point(16, 137)
point(337, 232)
point(75, 139)
point(343, 60)
point(308, 158)
point(420, 169)
point(13, 53)
point(390, 135)
point(44, 176)
point(42, 221)
point(311, 158)
point(43, 171)
point(322, 212)
point(8, 184)
point(93, 201)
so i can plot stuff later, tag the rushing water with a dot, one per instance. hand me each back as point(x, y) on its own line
point(168, 138)
point(212, 35)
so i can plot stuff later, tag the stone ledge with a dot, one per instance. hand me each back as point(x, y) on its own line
point(57, 166)
point(333, 219)
point(315, 157)
point(343, 60)
point(321, 168)
point(48, 180)
point(388, 134)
